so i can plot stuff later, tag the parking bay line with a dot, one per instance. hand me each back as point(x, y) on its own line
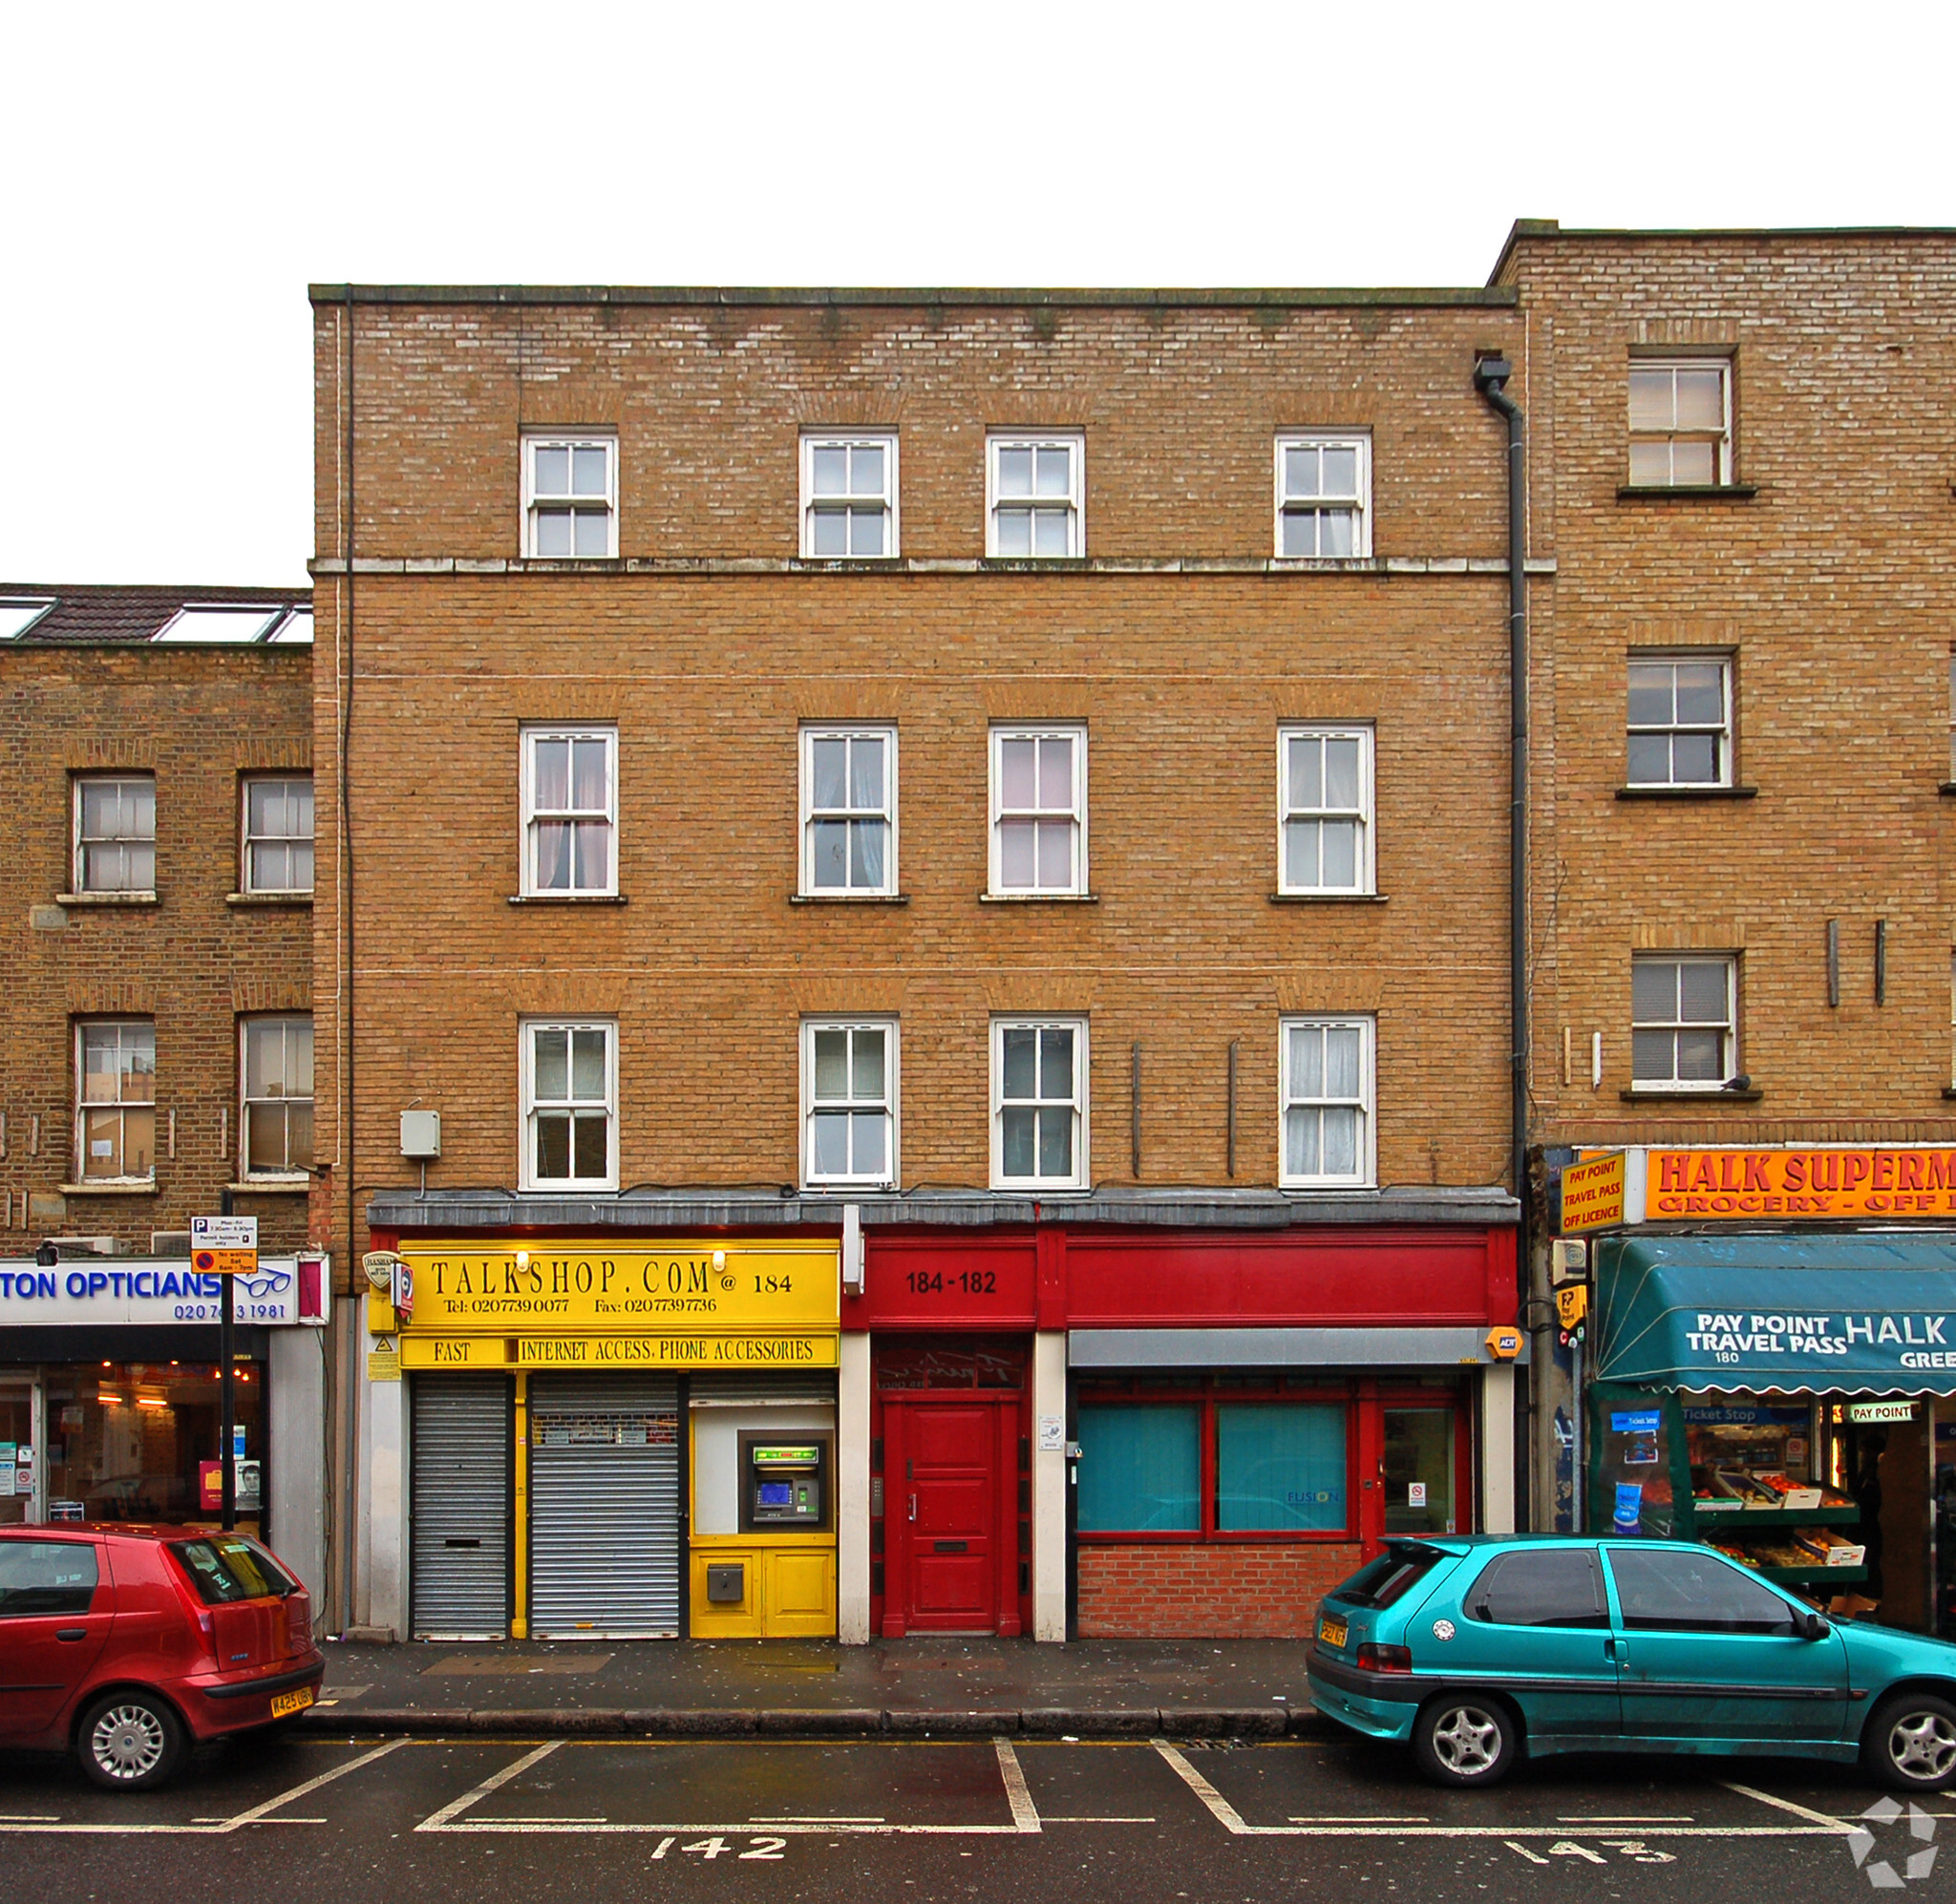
point(1233, 1821)
point(258, 1815)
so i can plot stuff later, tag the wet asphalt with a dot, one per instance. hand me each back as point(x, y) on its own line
point(355, 1821)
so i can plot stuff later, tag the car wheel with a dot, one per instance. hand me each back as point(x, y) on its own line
point(1464, 1739)
point(1910, 1743)
point(130, 1741)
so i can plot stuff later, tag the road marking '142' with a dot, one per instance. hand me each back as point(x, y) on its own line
point(1633, 1848)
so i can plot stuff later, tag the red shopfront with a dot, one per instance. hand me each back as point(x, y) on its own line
point(1246, 1417)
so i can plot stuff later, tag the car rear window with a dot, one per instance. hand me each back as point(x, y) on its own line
point(1391, 1576)
point(46, 1576)
point(228, 1567)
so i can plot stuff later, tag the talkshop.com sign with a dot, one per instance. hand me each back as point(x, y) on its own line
point(72, 1294)
point(1741, 1337)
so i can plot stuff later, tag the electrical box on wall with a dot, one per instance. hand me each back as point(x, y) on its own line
point(420, 1134)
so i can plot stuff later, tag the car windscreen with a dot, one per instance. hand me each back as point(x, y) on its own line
point(228, 1567)
point(1391, 1576)
point(46, 1576)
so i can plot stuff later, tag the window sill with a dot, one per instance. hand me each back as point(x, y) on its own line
point(1328, 898)
point(73, 900)
point(568, 899)
point(1949, 1090)
point(843, 564)
point(848, 898)
point(1719, 1095)
point(1038, 899)
point(1029, 564)
point(298, 900)
point(271, 1186)
point(1946, 789)
point(1686, 492)
point(844, 1191)
point(1342, 1185)
point(111, 1186)
point(1030, 1187)
point(1688, 792)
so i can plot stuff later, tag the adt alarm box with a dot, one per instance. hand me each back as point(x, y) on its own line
point(784, 1482)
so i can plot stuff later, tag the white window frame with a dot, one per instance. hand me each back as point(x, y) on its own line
point(1039, 730)
point(1728, 1025)
point(1951, 780)
point(813, 505)
point(1359, 440)
point(532, 886)
point(1720, 658)
point(1366, 1177)
point(888, 1178)
point(573, 440)
point(1075, 443)
point(1363, 815)
point(1722, 476)
point(83, 1104)
point(528, 1179)
point(848, 731)
point(247, 839)
point(79, 866)
point(1082, 1177)
point(293, 1173)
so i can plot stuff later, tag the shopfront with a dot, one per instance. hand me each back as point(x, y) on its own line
point(110, 1404)
point(608, 1440)
point(1786, 1394)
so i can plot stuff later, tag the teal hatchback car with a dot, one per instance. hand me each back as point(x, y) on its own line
point(1480, 1649)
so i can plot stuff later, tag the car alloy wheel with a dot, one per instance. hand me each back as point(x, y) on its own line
point(1922, 1745)
point(1467, 1740)
point(128, 1741)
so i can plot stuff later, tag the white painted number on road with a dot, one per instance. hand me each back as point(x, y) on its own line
point(1633, 1848)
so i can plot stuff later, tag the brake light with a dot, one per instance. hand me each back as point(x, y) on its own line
point(1375, 1659)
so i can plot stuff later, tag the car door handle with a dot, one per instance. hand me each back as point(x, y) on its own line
point(71, 1633)
point(1609, 1651)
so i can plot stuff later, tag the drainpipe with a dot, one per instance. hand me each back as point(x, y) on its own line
point(1491, 376)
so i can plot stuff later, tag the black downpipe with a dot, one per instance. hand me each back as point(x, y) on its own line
point(1491, 375)
point(227, 1389)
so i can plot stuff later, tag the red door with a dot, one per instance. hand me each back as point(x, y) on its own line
point(948, 1457)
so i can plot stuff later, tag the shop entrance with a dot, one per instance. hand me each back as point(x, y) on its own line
point(949, 1506)
point(18, 1460)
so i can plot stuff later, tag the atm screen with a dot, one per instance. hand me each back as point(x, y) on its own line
point(776, 1495)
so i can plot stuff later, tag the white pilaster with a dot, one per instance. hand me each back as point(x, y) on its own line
point(384, 1511)
point(1498, 1448)
point(852, 1490)
point(1048, 1488)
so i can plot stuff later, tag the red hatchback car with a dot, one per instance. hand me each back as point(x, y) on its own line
point(128, 1644)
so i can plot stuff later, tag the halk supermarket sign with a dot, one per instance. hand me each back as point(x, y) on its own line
point(1813, 1183)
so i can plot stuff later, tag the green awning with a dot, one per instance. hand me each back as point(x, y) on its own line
point(1811, 1315)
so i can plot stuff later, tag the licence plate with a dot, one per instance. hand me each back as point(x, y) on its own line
point(1332, 1632)
point(283, 1703)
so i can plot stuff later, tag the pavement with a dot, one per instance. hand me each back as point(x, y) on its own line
point(918, 1687)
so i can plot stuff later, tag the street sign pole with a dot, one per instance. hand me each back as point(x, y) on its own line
point(228, 1391)
point(225, 1246)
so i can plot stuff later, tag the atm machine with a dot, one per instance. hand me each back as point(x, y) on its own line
point(764, 1527)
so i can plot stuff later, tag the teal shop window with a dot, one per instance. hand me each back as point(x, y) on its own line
point(1280, 1469)
point(1140, 1469)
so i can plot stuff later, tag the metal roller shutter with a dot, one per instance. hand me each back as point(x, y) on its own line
point(458, 1506)
point(603, 1507)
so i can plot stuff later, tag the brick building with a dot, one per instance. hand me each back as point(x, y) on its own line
point(951, 842)
point(156, 990)
point(1741, 467)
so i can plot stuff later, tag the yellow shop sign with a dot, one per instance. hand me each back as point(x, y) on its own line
point(811, 1349)
point(677, 1291)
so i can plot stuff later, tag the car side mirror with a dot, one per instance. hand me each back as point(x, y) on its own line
point(1812, 1626)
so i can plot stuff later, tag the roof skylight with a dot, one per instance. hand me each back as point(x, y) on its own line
point(297, 627)
point(18, 613)
point(219, 622)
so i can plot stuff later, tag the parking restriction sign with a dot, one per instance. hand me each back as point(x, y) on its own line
point(224, 1246)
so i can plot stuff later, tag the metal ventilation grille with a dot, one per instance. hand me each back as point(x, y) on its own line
point(603, 1507)
point(458, 1504)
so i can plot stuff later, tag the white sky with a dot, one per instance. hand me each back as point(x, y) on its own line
point(175, 175)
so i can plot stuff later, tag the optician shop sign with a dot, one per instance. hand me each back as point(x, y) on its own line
point(105, 1294)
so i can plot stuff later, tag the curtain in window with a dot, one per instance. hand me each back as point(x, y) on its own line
point(1280, 1468)
point(1141, 1469)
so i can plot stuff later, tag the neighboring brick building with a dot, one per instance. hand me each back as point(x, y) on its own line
point(1742, 459)
point(156, 991)
point(1026, 769)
